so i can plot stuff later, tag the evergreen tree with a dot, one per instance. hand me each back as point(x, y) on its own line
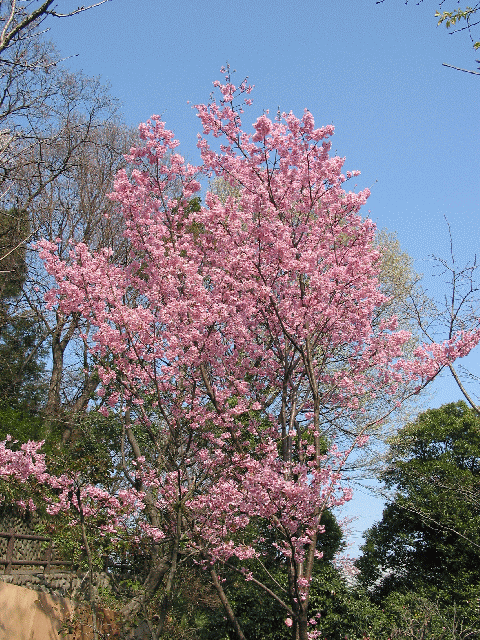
point(21, 356)
point(428, 540)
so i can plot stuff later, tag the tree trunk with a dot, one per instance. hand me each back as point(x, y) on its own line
point(53, 400)
point(226, 605)
point(153, 580)
point(59, 344)
point(168, 597)
point(303, 626)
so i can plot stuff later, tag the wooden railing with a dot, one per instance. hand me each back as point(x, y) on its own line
point(10, 562)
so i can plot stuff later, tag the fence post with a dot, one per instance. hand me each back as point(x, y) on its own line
point(10, 546)
point(48, 558)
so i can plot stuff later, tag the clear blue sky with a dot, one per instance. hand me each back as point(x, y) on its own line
point(373, 70)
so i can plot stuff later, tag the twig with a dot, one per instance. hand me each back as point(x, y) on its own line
point(475, 73)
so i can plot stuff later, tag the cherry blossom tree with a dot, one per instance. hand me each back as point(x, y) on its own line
point(240, 341)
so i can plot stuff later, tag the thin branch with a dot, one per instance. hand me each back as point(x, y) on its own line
point(26, 22)
point(265, 588)
point(9, 21)
point(17, 247)
point(30, 19)
point(226, 605)
point(475, 407)
point(79, 10)
point(475, 73)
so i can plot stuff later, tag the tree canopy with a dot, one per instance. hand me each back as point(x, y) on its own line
point(428, 539)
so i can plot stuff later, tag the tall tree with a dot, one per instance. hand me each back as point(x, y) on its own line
point(36, 94)
point(75, 207)
point(238, 338)
point(61, 143)
point(22, 363)
point(428, 539)
point(54, 127)
point(233, 339)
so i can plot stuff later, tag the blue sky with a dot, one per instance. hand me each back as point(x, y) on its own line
point(373, 70)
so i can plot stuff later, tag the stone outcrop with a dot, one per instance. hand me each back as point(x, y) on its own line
point(26, 614)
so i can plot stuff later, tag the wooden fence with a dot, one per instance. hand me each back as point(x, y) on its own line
point(9, 560)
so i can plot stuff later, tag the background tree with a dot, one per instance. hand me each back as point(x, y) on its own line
point(61, 143)
point(428, 539)
point(59, 189)
point(36, 94)
point(22, 364)
point(75, 207)
point(60, 133)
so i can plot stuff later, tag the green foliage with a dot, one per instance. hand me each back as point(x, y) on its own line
point(21, 362)
point(346, 611)
point(428, 541)
point(14, 233)
point(450, 18)
point(22, 381)
point(90, 451)
point(259, 615)
point(413, 615)
point(20, 423)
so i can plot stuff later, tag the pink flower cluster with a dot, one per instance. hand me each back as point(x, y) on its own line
point(27, 464)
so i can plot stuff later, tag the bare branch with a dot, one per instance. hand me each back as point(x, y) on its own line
point(461, 386)
point(475, 73)
point(26, 21)
point(78, 10)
